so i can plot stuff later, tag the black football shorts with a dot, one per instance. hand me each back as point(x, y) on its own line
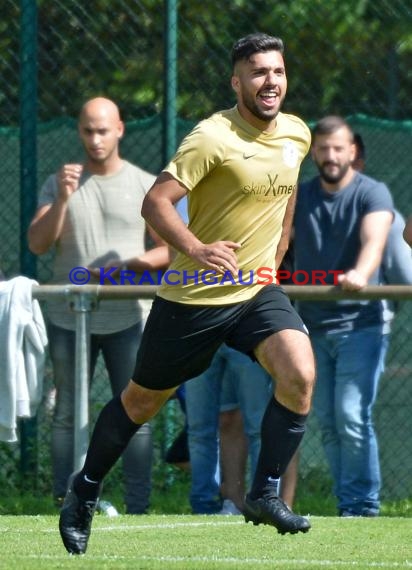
point(180, 340)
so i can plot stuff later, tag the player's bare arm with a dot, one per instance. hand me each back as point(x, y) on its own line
point(373, 232)
point(286, 230)
point(159, 212)
point(47, 223)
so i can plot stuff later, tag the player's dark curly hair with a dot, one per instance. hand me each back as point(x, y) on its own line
point(255, 43)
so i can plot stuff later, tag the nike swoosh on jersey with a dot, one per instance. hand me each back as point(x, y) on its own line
point(246, 155)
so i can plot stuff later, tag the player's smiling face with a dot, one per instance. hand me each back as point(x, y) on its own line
point(260, 84)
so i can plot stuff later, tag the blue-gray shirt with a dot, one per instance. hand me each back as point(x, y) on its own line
point(396, 268)
point(327, 237)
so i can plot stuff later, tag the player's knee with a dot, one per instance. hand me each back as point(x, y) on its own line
point(142, 404)
point(299, 385)
point(305, 380)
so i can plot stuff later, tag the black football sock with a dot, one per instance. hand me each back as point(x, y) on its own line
point(281, 433)
point(111, 434)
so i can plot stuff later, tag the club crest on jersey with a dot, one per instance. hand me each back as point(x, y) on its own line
point(290, 154)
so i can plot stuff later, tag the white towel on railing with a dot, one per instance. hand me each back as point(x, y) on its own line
point(23, 340)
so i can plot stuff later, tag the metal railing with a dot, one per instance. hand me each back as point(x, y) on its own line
point(84, 299)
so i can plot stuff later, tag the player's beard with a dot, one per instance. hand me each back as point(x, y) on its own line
point(261, 114)
point(333, 178)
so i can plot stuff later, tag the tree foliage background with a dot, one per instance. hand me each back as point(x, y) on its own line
point(351, 56)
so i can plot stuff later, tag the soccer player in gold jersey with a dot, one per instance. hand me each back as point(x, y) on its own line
point(239, 169)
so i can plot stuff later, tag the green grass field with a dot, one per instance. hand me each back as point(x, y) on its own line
point(208, 542)
point(170, 537)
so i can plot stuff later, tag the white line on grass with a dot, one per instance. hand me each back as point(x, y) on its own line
point(169, 525)
point(110, 528)
point(287, 562)
point(278, 562)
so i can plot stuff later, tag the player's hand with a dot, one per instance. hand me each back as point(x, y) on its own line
point(68, 179)
point(352, 280)
point(219, 256)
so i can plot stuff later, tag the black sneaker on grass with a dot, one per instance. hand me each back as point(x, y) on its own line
point(270, 509)
point(75, 521)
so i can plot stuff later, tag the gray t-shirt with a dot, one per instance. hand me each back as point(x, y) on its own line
point(103, 222)
point(396, 268)
point(327, 237)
